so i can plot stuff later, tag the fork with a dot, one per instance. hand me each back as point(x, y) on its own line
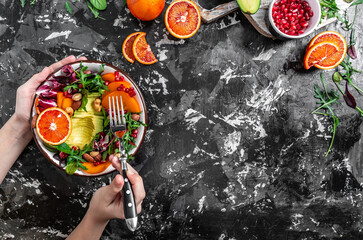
point(118, 123)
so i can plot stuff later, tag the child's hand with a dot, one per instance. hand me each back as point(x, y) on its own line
point(106, 203)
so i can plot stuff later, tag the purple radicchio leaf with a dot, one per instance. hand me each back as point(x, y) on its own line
point(44, 103)
point(102, 144)
point(54, 84)
point(46, 92)
point(349, 99)
point(351, 52)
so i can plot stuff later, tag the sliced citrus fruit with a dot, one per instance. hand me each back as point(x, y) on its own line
point(318, 53)
point(127, 47)
point(54, 126)
point(182, 19)
point(142, 50)
point(336, 58)
point(36, 105)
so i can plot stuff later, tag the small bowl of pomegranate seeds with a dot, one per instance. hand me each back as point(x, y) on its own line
point(294, 18)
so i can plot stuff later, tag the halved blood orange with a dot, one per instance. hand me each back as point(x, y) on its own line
point(336, 58)
point(319, 53)
point(127, 47)
point(54, 126)
point(142, 50)
point(182, 19)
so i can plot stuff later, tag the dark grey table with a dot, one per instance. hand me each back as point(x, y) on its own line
point(232, 150)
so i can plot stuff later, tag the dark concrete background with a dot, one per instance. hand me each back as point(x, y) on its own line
point(232, 150)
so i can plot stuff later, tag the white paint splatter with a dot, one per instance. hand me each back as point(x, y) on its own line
point(119, 22)
point(239, 120)
point(321, 127)
point(264, 99)
point(232, 20)
point(265, 56)
point(58, 34)
point(201, 203)
point(192, 117)
point(166, 41)
point(231, 142)
point(162, 55)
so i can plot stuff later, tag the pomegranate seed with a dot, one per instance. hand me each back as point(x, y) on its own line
point(119, 89)
point(135, 131)
point(125, 111)
point(63, 155)
point(304, 24)
point(307, 9)
point(132, 88)
point(127, 90)
point(311, 13)
point(133, 135)
point(116, 74)
point(300, 32)
point(107, 83)
point(80, 85)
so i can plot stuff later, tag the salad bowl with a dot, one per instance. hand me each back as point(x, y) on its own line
point(54, 153)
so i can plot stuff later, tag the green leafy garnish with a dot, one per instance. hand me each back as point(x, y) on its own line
point(22, 2)
point(129, 141)
point(326, 99)
point(99, 4)
point(75, 159)
point(94, 10)
point(68, 8)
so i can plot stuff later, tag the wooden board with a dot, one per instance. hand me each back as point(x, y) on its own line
point(258, 20)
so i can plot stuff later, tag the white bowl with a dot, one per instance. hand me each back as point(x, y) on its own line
point(94, 66)
point(313, 22)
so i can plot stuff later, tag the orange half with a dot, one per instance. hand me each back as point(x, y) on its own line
point(182, 19)
point(336, 58)
point(319, 53)
point(127, 47)
point(142, 50)
point(54, 126)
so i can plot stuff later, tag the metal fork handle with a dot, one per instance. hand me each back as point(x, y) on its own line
point(127, 193)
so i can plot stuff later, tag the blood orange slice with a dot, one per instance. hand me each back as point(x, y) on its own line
point(54, 126)
point(142, 50)
point(318, 53)
point(127, 47)
point(182, 19)
point(336, 58)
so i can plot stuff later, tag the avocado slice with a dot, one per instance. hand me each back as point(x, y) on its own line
point(249, 6)
point(85, 125)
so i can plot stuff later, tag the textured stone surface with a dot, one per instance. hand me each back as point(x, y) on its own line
point(232, 150)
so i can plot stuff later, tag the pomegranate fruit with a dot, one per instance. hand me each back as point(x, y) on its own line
point(292, 16)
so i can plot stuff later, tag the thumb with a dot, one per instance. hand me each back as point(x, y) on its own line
point(114, 188)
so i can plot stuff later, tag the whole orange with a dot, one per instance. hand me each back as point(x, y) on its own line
point(146, 10)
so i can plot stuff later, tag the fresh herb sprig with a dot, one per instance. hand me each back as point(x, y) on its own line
point(326, 99)
point(88, 83)
point(75, 159)
point(129, 141)
point(330, 9)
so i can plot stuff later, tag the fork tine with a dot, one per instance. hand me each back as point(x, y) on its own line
point(114, 111)
point(118, 112)
point(122, 111)
point(110, 111)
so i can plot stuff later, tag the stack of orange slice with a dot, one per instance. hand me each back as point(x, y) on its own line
point(136, 47)
point(325, 51)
